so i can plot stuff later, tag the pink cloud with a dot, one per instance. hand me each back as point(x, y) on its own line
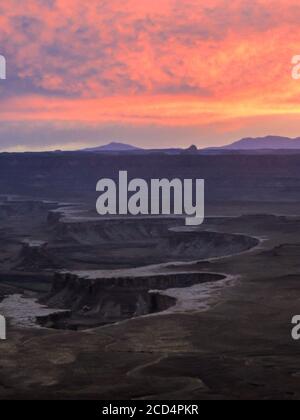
point(166, 62)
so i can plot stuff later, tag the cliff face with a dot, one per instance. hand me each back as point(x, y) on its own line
point(198, 245)
point(107, 300)
point(102, 231)
point(34, 256)
point(126, 242)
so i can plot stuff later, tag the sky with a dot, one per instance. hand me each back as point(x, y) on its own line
point(153, 73)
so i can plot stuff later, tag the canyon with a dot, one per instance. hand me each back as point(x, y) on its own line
point(173, 311)
point(106, 271)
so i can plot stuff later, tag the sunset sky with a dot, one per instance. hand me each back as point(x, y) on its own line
point(153, 73)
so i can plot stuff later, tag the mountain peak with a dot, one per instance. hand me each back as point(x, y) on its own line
point(114, 146)
point(267, 142)
point(190, 150)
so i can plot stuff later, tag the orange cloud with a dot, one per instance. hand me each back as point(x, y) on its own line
point(141, 62)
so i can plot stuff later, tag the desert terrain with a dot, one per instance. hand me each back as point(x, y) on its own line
point(146, 308)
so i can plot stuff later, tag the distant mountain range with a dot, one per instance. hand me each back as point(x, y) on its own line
point(268, 142)
point(249, 144)
point(118, 148)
